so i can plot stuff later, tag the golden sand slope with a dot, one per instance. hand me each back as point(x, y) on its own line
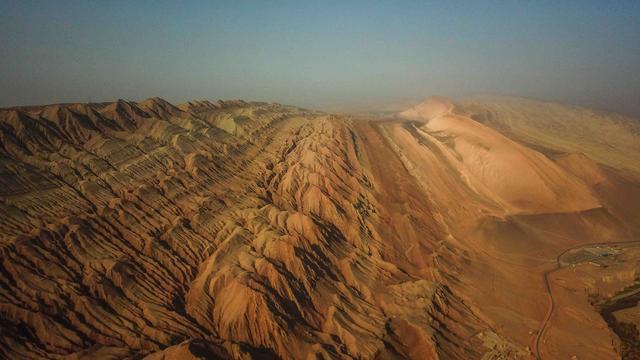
point(496, 168)
point(528, 190)
point(607, 138)
point(237, 229)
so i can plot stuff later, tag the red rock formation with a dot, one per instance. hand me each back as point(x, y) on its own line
point(253, 230)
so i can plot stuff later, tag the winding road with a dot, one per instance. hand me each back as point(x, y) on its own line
point(560, 265)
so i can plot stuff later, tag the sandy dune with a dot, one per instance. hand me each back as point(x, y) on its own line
point(247, 230)
point(514, 177)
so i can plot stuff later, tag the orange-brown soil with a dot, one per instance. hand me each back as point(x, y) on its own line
point(251, 230)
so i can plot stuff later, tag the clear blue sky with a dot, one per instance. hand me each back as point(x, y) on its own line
point(319, 54)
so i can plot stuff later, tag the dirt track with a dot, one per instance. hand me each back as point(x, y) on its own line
point(559, 266)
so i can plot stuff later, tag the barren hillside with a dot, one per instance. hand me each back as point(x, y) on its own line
point(247, 230)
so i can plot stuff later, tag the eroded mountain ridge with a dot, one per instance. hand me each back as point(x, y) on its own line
point(251, 230)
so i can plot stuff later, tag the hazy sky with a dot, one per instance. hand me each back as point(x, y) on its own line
point(319, 54)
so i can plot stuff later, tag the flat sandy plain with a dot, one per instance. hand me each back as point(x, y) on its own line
point(491, 228)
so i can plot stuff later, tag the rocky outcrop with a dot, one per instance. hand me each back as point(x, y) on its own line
point(233, 229)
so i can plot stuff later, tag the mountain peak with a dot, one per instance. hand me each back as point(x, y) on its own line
point(428, 109)
point(159, 107)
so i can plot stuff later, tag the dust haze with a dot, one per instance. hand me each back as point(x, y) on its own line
point(319, 181)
